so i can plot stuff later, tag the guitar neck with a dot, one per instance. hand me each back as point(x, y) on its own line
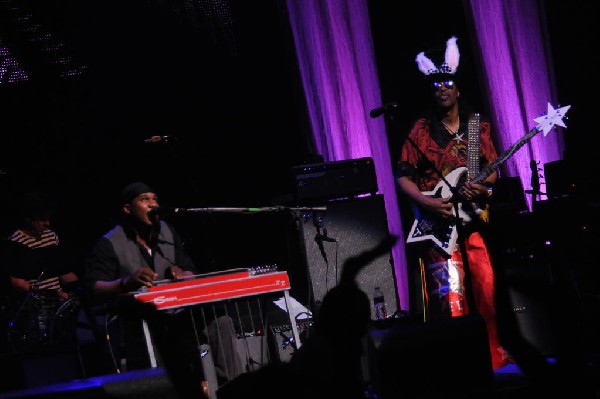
point(473, 144)
point(488, 170)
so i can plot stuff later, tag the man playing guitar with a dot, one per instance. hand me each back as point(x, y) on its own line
point(438, 145)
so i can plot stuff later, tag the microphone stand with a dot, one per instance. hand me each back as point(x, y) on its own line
point(296, 210)
point(535, 183)
point(320, 237)
point(248, 210)
point(305, 213)
point(457, 198)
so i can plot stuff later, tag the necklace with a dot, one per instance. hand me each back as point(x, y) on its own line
point(452, 132)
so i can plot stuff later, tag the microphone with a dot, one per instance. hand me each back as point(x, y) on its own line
point(385, 108)
point(158, 139)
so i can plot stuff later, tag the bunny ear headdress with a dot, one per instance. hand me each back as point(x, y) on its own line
point(448, 67)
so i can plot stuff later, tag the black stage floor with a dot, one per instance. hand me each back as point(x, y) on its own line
point(510, 382)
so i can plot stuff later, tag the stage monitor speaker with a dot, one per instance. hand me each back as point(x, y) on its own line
point(436, 359)
point(39, 369)
point(345, 229)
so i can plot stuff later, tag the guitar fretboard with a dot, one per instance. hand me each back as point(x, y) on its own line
point(473, 147)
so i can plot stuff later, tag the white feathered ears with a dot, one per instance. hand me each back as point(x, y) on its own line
point(425, 64)
point(452, 56)
point(451, 60)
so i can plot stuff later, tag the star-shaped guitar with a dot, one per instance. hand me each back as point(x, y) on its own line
point(442, 231)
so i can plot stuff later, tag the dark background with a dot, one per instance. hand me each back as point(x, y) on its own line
point(224, 86)
point(221, 79)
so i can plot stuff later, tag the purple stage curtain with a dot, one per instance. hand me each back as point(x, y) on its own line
point(337, 63)
point(518, 77)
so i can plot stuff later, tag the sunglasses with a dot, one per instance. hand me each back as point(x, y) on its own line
point(448, 84)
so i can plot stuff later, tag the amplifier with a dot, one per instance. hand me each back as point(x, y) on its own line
point(337, 179)
point(281, 340)
point(560, 179)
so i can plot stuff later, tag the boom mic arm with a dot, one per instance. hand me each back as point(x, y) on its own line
point(376, 112)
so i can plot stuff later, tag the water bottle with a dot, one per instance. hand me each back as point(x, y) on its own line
point(379, 303)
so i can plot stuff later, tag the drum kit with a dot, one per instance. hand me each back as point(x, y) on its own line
point(43, 319)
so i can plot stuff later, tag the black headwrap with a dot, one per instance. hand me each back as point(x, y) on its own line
point(134, 189)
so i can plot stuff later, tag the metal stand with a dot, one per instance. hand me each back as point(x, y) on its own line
point(149, 344)
point(208, 365)
point(286, 296)
point(207, 359)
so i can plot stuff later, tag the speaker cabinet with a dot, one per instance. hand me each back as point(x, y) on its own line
point(524, 296)
point(345, 229)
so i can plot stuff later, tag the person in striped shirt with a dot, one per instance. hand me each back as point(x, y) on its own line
point(35, 233)
point(41, 278)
